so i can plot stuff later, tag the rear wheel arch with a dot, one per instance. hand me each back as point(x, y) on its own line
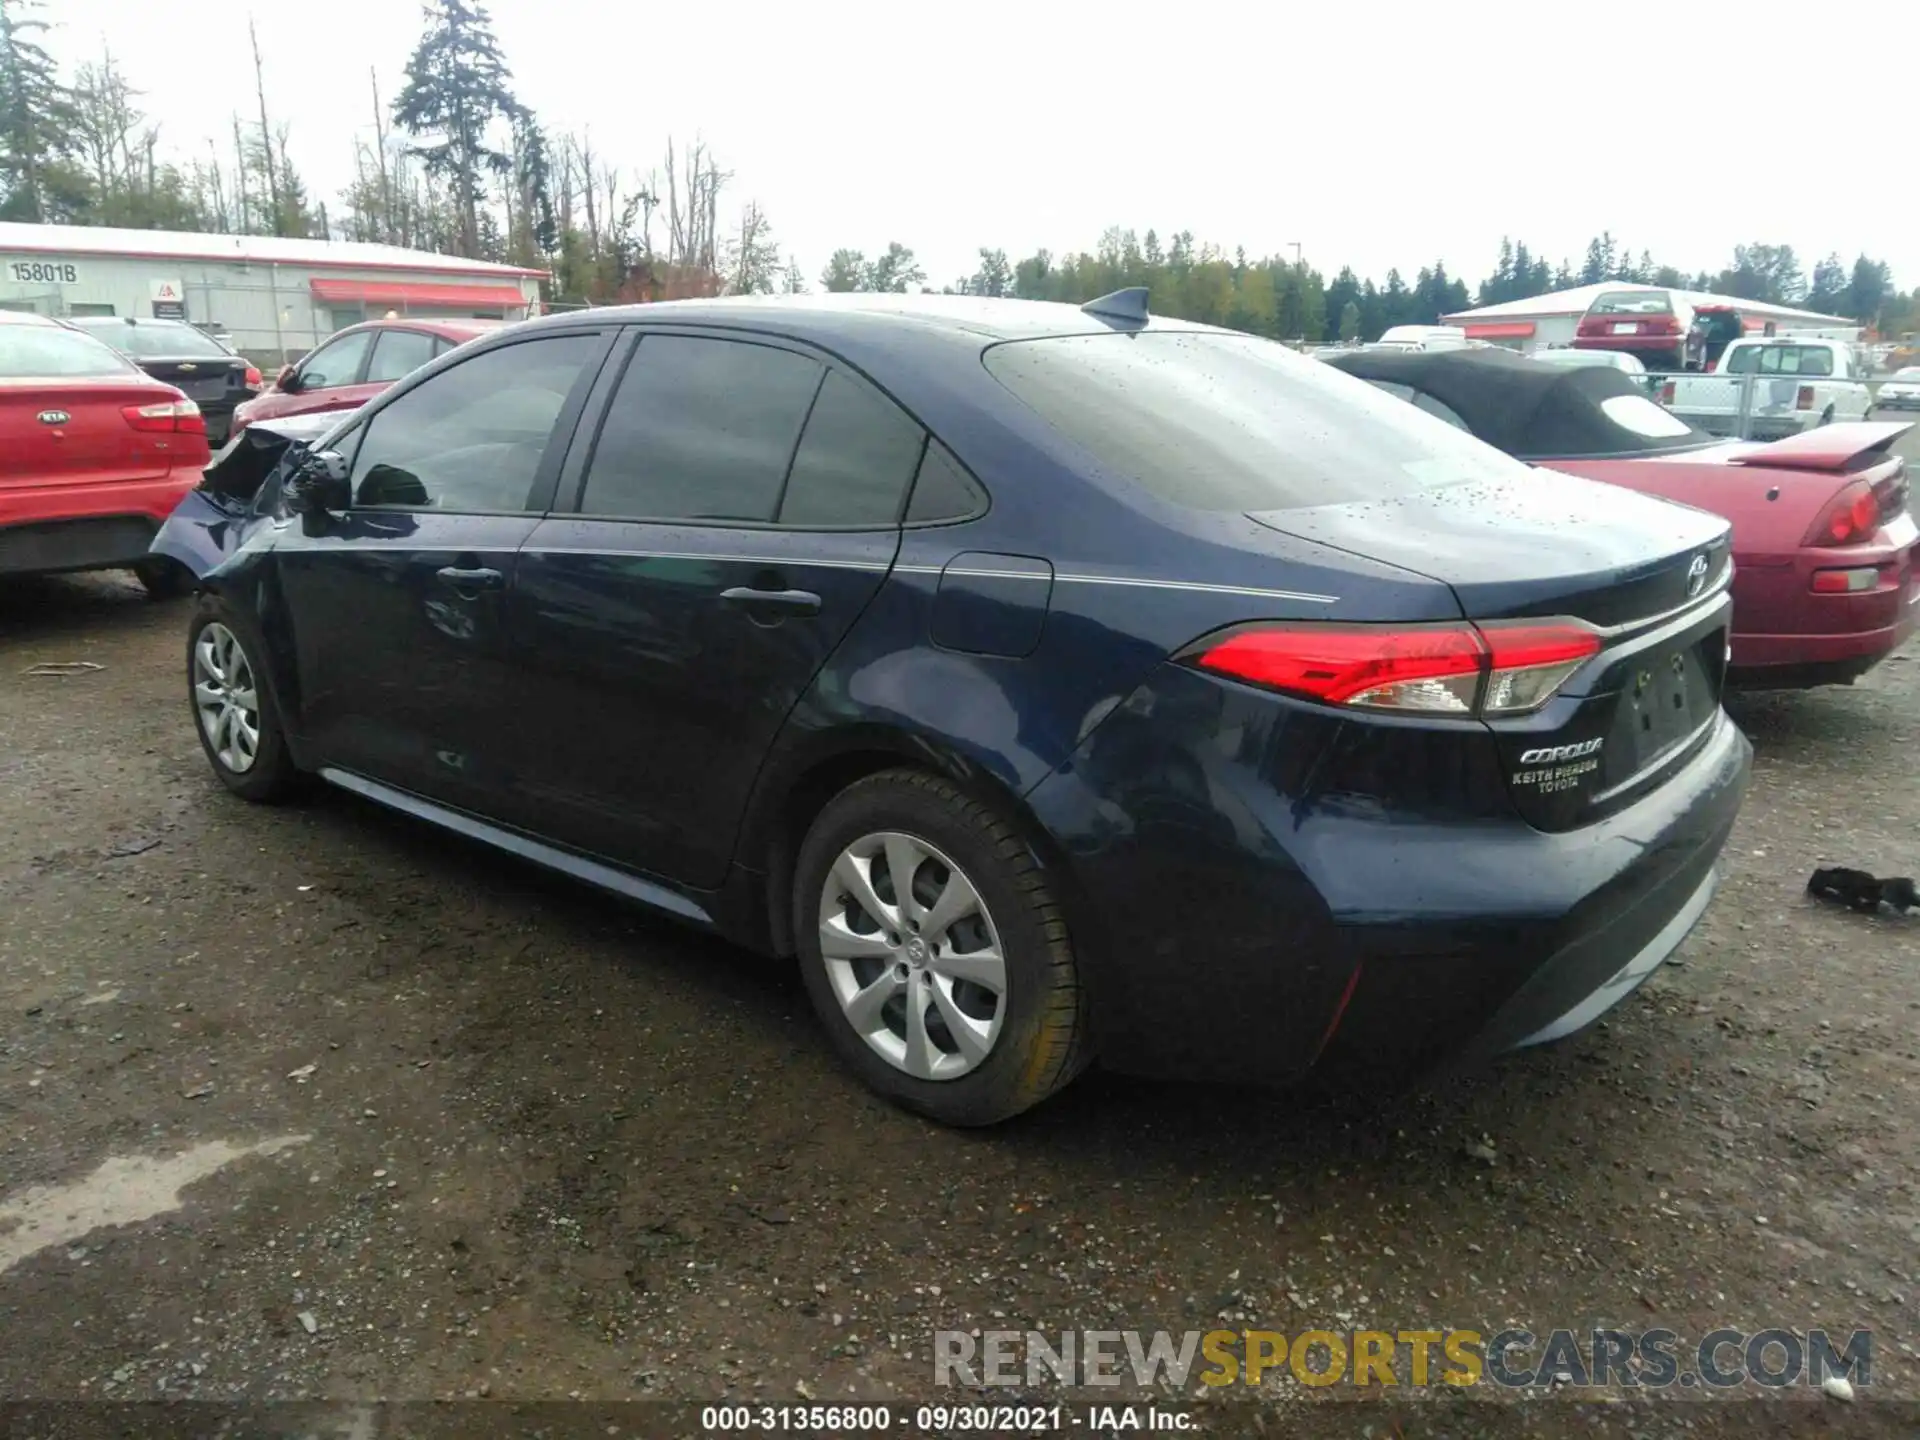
point(781, 816)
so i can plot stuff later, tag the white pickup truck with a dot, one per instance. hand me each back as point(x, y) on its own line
point(1770, 388)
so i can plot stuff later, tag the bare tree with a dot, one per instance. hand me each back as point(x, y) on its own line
point(275, 212)
point(694, 183)
point(240, 179)
point(380, 160)
point(753, 259)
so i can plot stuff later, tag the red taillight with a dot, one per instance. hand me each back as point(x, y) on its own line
point(1851, 519)
point(1667, 392)
point(169, 417)
point(254, 378)
point(1497, 669)
point(1845, 582)
point(1667, 325)
point(1804, 401)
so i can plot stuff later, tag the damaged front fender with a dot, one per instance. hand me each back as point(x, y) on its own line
point(238, 492)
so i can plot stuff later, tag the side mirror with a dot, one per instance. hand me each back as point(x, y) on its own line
point(318, 484)
point(288, 380)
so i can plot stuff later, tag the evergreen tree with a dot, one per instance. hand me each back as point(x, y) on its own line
point(994, 277)
point(457, 87)
point(38, 121)
point(895, 270)
point(1831, 286)
point(846, 271)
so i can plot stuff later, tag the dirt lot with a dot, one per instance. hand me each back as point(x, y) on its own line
point(317, 1103)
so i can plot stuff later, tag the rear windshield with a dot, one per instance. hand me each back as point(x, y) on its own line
point(1781, 360)
point(1231, 422)
point(1633, 303)
point(39, 352)
point(156, 342)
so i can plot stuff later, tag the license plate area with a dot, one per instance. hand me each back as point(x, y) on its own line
point(1599, 747)
point(1669, 694)
point(1627, 327)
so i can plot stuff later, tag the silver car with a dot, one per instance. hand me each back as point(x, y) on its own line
point(1901, 392)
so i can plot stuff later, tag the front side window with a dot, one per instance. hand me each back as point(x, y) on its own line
point(397, 353)
point(1231, 422)
point(337, 363)
point(471, 438)
point(700, 430)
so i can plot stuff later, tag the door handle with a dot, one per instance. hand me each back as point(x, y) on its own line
point(478, 579)
point(794, 602)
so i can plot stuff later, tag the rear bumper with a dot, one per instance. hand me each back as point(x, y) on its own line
point(1238, 919)
point(1817, 639)
point(1633, 344)
point(84, 527)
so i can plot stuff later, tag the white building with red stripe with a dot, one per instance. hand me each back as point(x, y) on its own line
point(1549, 320)
point(275, 296)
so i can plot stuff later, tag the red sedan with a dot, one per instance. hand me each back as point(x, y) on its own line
point(1825, 584)
point(355, 364)
point(94, 455)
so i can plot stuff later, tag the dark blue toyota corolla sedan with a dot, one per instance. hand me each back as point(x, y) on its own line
point(1052, 683)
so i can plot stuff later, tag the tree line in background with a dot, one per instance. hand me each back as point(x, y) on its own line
point(459, 165)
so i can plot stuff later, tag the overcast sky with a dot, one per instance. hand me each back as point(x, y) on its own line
point(1372, 134)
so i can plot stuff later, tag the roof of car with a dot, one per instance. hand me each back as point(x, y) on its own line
point(826, 316)
point(1529, 410)
point(433, 324)
point(23, 317)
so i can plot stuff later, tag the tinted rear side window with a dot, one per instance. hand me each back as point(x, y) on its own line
point(1231, 422)
point(855, 460)
point(942, 490)
point(700, 430)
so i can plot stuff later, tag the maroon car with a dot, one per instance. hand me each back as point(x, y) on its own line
point(1824, 584)
point(352, 366)
point(1652, 325)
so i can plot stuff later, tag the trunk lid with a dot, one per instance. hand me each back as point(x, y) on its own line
point(1550, 544)
point(204, 381)
point(54, 431)
point(1649, 576)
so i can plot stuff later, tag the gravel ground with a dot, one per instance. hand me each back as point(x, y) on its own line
point(317, 1103)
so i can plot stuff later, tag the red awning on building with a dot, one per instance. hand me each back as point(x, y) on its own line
point(1492, 330)
point(419, 293)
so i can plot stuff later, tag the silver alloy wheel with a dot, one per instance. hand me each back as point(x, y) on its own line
point(912, 956)
point(226, 698)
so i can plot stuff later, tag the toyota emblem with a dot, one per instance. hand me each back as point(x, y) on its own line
point(1696, 575)
point(53, 417)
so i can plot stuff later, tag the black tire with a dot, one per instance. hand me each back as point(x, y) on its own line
point(271, 776)
point(1042, 1041)
point(164, 579)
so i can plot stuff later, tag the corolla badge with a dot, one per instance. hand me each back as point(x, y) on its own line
point(1554, 754)
point(53, 417)
point(1696, 575)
